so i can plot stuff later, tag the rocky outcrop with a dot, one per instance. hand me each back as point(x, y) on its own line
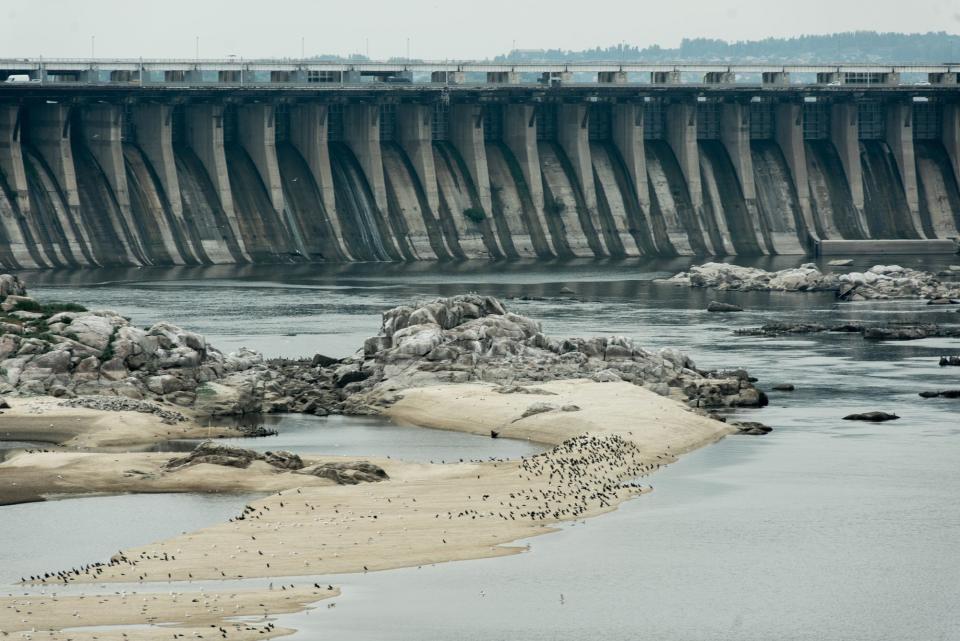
point(474, 338)
point(10, 285)
point(950, 393)
point(214, 454)
point(873, 417)
point(880, 282)
point(893, 332)
point(97, 353)
point(947, 361)
point(348, 473)
point(725, 276)
point(717, 306)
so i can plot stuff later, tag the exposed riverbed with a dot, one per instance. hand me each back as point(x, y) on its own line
point(822, 529)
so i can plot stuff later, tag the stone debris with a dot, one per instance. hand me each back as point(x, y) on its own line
point(472, 338)
point(226, 455)
point(348, 473)
point(121, 404)
point(717, 306)
point(875, 417)
point(896, 332)
point(950, 393)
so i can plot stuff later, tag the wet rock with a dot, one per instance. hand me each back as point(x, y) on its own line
point(875, 417)
point(717, 306)
point(784, 387)
point(751, 428)
point(352, 376)
point(11, 285)
point(840, 262)
point(538, 408)
point(942, 301)
point(283, 460)
point(348, 473)
point(319, 360)
point(946, 361)
point(952, 393)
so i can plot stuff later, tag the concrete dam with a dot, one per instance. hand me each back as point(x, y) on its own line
point(97, 174)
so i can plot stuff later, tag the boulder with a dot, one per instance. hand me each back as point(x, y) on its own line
point(348, 473)
point(11, 285)
point(840, 262)
point(875, 417)
point(783, 387)
point(952, 393)
point(717, 306)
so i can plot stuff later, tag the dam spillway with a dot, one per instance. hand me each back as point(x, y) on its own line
point(133, 175)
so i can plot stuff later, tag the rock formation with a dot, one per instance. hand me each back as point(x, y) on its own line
point(474, 338)
point(880, 282)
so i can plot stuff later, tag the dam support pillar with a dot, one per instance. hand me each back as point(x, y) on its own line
point(466, 135)
point(627, 133)
point(416, 138)
point(735, 136)
point(257, 132)
point(681, 135)
point(844, 133)
point(899, 137)
point(205, 136)
point(361, 132)
point(11, 166)
point(788, 132)
point(573, 136)
point(256, 128)
point(520, 136)
point(950, 136)
point(308, 134)
point(49, 132)
point(101, 128)
point(154, 125)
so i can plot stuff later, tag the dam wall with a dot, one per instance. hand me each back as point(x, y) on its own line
point(94, 177)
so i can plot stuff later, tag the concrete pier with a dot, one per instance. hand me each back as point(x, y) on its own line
point(788, 133)
point(899, 137)
point(101, 127)
point(681, 135)
point(11, 166)
point(520, 136)
point(361, 132)
point(844, 132)
point(308, 134)
point(950, 136)
point(573, 137)
point(205, 136)
point(49, 134)
point(735, 136)
point(466, 135)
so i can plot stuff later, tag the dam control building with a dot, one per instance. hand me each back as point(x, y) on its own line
point(189, 162)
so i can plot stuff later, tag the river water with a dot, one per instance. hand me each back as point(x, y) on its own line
point(824, 529)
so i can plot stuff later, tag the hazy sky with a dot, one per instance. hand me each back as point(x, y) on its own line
point(436, 30)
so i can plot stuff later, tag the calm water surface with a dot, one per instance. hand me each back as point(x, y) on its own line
point(825, 529)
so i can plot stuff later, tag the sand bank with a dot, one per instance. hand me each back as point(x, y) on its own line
point(191, 614)
point(428, 513)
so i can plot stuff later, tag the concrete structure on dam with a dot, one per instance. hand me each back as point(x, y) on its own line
point(160, 162)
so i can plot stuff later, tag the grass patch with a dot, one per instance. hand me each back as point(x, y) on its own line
point(48, 309)
point(475, 214)
point(107, 352)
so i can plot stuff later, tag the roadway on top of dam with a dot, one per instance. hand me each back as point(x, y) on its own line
point(433, 92)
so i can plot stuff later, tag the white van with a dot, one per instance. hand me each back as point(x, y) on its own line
point(18, 77)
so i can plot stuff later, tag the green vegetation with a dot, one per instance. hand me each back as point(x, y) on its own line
point(48, 309)
point(475, 214)
point(852, 46)
point(107, 353)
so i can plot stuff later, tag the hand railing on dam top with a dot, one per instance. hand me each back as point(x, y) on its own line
point(236, 72)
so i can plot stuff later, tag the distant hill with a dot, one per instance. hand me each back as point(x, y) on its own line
point(854, 46)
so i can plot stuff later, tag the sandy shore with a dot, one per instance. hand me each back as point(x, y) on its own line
point(41, 418)
point(190, 614)
point(426, 513)
point(429, 513)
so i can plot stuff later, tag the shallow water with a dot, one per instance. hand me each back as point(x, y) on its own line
point(824, 529)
